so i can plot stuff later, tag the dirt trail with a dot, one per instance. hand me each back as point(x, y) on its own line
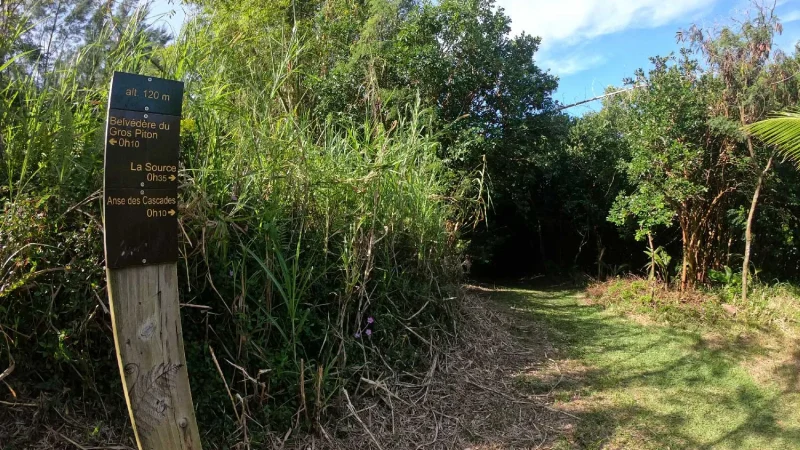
point(477, 395)
point(543, 369)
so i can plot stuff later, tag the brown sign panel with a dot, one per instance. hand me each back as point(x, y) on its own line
point(146, 94)
point(142, 150)
point(140, 199)
point(141, 226)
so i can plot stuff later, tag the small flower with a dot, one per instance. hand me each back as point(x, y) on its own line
point(358, 334)
point(370, 319)
point(369, 332)
point(230, 272)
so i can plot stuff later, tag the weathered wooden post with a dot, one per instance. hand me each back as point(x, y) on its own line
point(141, 245)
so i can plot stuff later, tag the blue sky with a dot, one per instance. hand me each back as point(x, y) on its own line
point(592, 44)
point(170, 13)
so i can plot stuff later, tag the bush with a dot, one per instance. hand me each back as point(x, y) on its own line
point(313, 251)
point(768, 306)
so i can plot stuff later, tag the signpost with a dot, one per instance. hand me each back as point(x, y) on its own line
point(140, 203)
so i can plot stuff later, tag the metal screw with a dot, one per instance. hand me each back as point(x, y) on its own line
point(145, 116)
point(144, 261)
point(142, 183)
point(141, 192)
point(149, 79)
point(147, 108)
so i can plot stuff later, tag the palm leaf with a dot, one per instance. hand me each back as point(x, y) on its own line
point(782, 130)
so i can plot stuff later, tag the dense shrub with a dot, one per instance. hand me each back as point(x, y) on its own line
point(312, 252)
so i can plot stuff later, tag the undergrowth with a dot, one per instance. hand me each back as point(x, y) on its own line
point(313, 251)
point(718, 307)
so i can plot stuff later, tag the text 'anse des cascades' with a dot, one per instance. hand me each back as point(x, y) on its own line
point(150, 202)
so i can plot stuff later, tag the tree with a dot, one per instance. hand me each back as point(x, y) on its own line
point(682, 168)
point(491, 102)
point(741, 58)
point(589, 177)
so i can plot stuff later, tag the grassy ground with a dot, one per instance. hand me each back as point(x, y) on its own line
point(637, 384)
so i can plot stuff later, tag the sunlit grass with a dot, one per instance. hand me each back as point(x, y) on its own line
point(655, 386)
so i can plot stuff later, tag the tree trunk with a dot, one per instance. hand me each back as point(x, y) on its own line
point(748, 233)
point(541, 243)
point(601, 250)
point(685, 253)
point(584, 240)
point(692, 241)
point(652, 257)
point(652, 267)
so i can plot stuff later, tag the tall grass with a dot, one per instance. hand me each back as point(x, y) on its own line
point(313, 252)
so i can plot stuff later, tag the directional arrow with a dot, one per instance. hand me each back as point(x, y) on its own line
point(172, 178)
point(171, 212)
point(112, 141)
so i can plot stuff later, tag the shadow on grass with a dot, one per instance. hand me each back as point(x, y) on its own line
point(657, 386)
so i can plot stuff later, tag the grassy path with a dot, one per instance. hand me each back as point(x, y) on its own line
point(638, 385)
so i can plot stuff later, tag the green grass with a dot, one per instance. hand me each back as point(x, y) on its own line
point(652, 386)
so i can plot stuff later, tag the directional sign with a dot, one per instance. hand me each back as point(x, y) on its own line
point(140, 221)
point(141, 170)
point(141, 226)
point(142, 150)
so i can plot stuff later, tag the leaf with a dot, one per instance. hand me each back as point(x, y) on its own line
point(782, 131)
point(13, 58)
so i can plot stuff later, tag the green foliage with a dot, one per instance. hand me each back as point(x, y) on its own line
point(492, 106)
point(658, 263)
point(782, 131)
point(726, 277)
point(338, 160)
point(296, 228)
point(664, 123)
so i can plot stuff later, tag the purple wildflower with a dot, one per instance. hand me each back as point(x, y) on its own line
point(369, 332)
point(358, 334)
point(370, 319)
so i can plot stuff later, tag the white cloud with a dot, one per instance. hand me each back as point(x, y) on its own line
point(791, 16)
point(574, 63)
point(564, 25)
point(571, 21)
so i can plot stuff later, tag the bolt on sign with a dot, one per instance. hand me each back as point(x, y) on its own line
point(140, 206)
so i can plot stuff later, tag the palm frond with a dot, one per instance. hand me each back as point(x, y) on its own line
point(782, 130)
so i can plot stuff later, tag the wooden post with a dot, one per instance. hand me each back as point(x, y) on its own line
point(140, 225)
point(149, 342)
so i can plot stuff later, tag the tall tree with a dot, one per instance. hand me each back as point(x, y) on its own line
point(741, 57)
point(682, 167)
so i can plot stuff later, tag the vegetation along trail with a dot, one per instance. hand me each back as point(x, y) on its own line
point(346, 166)
point(636, 383)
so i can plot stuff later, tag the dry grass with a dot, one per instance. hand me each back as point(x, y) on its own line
point(40, 426)
point(777, 362)
point(470, 398)
point(476, 394)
